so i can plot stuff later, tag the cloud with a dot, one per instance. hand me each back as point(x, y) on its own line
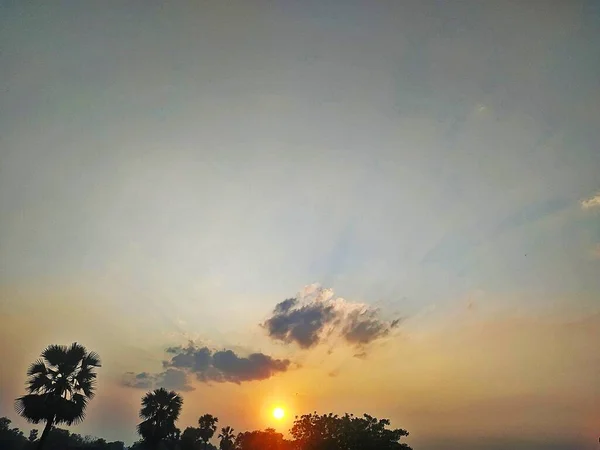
point(231, 367)
point(302, 325)
point(208, 365)
point(169, 379)
point(316, 313)
point(192, 358)
point(224, 365)
point(363, 327)
point(591, 202)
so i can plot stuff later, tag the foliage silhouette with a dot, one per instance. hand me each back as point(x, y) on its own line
point(207, 425)
point(227, 439)
point(33, 435)
point(59, 385)
point(310, 432)
point(268, 439)
point(329, 432)
point(11, 438)
point(160, 410)
point(190, 439)
point(57, 439)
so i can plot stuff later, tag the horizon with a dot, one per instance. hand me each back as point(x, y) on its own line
point(386, 207)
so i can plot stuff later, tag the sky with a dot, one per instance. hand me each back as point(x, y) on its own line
point(390, 207)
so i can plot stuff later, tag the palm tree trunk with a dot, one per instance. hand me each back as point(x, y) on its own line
point(47, 429)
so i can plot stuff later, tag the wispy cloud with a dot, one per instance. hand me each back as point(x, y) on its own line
point(591, 202)
point(315, 313)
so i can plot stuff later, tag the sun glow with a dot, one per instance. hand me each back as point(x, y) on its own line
point(278, 413)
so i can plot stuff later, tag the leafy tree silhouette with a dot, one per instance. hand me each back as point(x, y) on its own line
point(207, 425)
point(11, 438)
point(190, 439)
point(160, 410)
point(60, 385)
point(227, 439)
point(332, 432)
point(33, 435)
point(268, 439)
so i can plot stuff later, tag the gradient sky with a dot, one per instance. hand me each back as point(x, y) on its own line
point(170, 171)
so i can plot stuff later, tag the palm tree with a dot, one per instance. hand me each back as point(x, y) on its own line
point(227, 438)
point(160, 410)
point(60, 385)
point(207, 424)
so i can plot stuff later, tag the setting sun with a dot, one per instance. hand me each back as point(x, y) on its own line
point(278, 413)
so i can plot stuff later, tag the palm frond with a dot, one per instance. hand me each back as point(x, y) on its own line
point(75, 354)
point(85, 380)
point(39, 383)
point(71, 411)
point(33, 407)
point(55, 354)
point(37, 367)
point(92, 359)
point(146, 429)
point(87, 385)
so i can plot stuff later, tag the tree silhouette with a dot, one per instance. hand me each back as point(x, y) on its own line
point(160, 410)
point(33, 435)
point(268, 439)
point(329, 431)
point(190, 439)
point(207, 425)
point(226, 438)
point(60, 385)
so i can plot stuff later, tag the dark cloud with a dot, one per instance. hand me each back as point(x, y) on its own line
point(285, 306)
point(363, 327)
point(169, 379)
point(307, 319)
point(193, 358)
point(303, 325)
point(208, 366)
point(230, 367)
point(225, 365)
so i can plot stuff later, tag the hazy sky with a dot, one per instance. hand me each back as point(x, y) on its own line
point(172, 171)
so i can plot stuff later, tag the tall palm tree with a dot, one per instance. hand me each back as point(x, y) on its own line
point(207, 424)
point(227, 438)
point(60, 385)
point(160, 410)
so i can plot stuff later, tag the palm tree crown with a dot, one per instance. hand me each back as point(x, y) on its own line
point(207, 424)
point(160, 410)
point(60, 384)
point(227, 438)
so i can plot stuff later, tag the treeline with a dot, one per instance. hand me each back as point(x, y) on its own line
point(57, 439)
point(61, 383)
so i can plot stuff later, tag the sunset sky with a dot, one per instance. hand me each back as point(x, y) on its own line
point(382, 206)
